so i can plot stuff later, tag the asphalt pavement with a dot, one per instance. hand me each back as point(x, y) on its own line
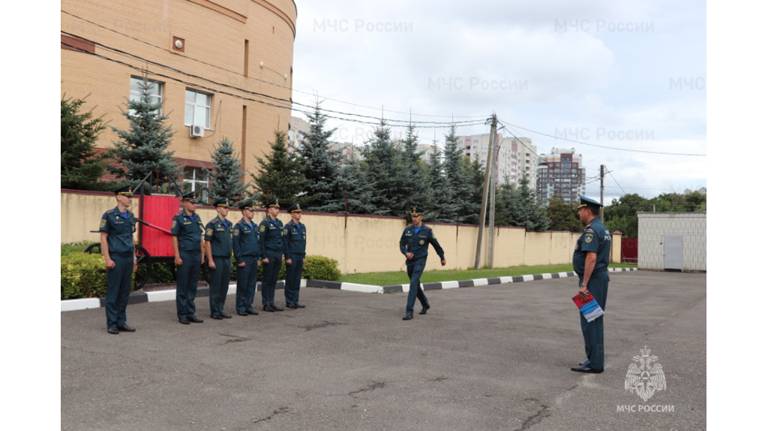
point(484, 358)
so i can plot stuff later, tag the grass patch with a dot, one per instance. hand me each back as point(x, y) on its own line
point(400, 277)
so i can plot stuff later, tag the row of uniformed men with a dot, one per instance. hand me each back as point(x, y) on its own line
point(252, 245)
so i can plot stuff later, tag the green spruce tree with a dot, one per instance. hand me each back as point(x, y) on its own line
point(279, 173)
point(320, 166)
point(226, 177)
point(438, 193)
point(385, 172)
point(80, 168)
point(415, 171)
point(143, 148)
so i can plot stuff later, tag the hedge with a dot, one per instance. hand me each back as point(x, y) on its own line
point(83, 274)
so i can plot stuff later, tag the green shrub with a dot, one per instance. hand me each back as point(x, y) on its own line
point(82, 275)
point(321, 268)
point(74, 247)
point(155, 272)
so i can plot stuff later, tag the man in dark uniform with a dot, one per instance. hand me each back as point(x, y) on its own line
point(590, 262)
point(271, 229)
point(295, 240)
point(116, 234)
point(218, 249)
point(187, 230)
point(246, 238)
point(414, 244)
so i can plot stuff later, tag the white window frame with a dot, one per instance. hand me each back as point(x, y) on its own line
point(206, 107)
point(136, 95)
point(194, 182)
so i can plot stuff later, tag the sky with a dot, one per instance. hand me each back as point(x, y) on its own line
point(623, 74)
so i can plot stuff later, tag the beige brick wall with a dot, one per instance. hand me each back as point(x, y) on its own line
point(360, 244)
point(214, 33)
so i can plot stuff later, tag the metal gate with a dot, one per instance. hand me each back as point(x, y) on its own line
point(673, 252)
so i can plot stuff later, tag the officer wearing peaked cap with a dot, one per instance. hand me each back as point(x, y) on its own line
point(218, 250)
point(271, 230)
point(116, 233)
point(414, 244)
point(187, 230)
point(295, 243)
point(590, 262)
point(246, 240)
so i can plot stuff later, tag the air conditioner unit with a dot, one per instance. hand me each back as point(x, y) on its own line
point(196, 131)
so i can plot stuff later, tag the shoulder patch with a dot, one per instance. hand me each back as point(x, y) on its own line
point(588, 238)
point(209, 231)
point(262, 228)
point(103, 223)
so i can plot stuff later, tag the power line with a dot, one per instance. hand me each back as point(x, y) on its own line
point(607, 147)
point(617, 183)
point(255, 78)
point(213, 90)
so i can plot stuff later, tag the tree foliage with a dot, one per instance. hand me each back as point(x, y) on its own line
point(279, 174)
point(226, 177)
point(80, 167)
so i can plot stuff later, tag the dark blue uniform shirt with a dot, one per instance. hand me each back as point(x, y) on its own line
point(295, 238)
point(246, 239)
point(417, 239)
point(218, 233)
point(594, 238)
point(189, 231)
point(119, 228)
point(271, 237)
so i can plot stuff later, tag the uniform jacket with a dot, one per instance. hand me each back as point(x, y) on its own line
point(417, 240)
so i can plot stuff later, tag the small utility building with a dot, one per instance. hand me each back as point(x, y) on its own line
point(672, 241)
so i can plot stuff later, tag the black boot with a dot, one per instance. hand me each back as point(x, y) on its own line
point(408, 315)
point(424, 309)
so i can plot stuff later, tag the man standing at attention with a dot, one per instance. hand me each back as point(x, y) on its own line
point(187, 230)
point(590, 262)
point(245, 238)
point(218, 241)
point(414, 244)
point(116, 232)
point(295, 238)
point(271, 230)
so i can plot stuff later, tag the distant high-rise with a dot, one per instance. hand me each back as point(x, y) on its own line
point(560, 175)
point(516, 158)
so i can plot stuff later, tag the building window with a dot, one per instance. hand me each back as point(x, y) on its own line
point(155, 92)
point(197, 109)
point(196, 180)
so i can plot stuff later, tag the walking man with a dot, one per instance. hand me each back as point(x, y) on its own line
point(414, 244)
point(590, 262)
point(271, 229)
point(246, 239)
point(295, 238)
point(218, 249)
point(116, 234)
point(187, 230)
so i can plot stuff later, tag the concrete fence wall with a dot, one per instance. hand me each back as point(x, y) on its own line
point(362, 243)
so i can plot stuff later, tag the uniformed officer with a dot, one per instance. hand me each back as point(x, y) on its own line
point(218, 249)
point(187, 230)
point(271, 229)
point(295, 240)
point(246, 239)
point(414, 244)
point(116, 231)
point(590, 262)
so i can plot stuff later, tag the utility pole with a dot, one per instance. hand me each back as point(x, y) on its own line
point(486, 188)
point(602, 190)
point(492, 201)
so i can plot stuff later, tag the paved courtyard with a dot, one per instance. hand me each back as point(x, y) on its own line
point(486, 358)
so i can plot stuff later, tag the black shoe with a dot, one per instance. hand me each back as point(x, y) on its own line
point(252, 311)
point(276, 308)
point(424, 309)
point(584, 364)
point(268, 308)
point(125, 328)
point(299, 306)
point(113, 330)
point(216, 317)
point(195, 319)
point(291, 306)
point(408, 316)
point(242, 313)
point(587, 369)
point(226, 316)
point(184, 321)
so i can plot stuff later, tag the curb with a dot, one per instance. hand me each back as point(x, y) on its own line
point(154, 296)
point(170, 294)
